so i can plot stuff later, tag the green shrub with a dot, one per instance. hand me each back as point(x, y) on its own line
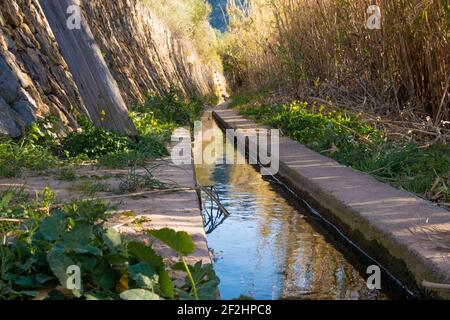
point(67, 174)
point(18, 155)
point(95, 142)
point(41, 149)
point(172, 108)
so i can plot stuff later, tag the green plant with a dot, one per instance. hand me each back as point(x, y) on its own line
point(354, 143)
point(90, 188)
point(201, 281)
point(34, 151)
point(172, 108)
point(37, 260)
point(135, 180)
point(95, 142)
point(67, 174)
point(16, 156)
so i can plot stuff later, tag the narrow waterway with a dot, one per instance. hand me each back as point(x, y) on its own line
point(271, 247)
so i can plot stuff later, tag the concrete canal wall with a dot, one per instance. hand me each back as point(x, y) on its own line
point(405, 233)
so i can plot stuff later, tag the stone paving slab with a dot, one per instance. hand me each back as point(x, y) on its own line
point(407, 234)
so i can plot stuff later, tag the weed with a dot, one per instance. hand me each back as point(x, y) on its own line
point(172, 108)
point(357, 144)
point(134, 180)
point(90, 188)
point(95, 142)
point(67, 174)
point(16, 156)
point(113, 267)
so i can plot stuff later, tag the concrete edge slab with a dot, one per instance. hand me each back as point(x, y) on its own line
point(393, 226)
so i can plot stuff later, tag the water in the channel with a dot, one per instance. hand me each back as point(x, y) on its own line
point(270, 247)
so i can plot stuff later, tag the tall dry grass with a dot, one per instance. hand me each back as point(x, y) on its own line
point(323, 48)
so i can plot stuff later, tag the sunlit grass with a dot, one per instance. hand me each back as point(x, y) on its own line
point(349, 140)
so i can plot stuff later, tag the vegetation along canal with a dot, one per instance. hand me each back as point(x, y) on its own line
point(272, 247)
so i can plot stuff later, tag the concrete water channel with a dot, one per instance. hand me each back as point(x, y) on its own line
point(272, 246)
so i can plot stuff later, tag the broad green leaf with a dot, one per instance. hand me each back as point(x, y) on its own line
point(22, 248)
point(59, 262)
point(181, 241)
point(26, 282)
point(116, 258)
point(112, 239)
point(144, 275)
point(104, 276)
point(43, 278)
point(139, 294)
point(79, 236)
point(88, 250)
point(208, 289)
point(89, 262)
point(145, 253)
point(166, 285)
point(53, 227)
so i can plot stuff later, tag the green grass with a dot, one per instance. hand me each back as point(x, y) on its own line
point(95, 142)
point(67, 174)
point(349, 140)
point(173, 109)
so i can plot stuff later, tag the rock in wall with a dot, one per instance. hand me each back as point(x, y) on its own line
point(142, 53)
point(34, 78)
point(97, 86)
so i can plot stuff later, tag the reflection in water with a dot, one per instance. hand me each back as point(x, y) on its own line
point(270, 249)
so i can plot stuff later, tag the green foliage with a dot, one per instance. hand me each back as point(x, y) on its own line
point(172, 108)
point(34, 151)
point(201, 281)
point(135, 180)
point(90, 188)
point(95, 142)
point(40, 149)
point(357, 144)
point(155, 121)
point(18, 155)
point(112, 267)
point(181, 242)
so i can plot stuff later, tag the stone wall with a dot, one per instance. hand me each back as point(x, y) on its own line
point(34, 78)
point(142, 53)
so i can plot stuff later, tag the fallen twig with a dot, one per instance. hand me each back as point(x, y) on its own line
point(12, 220)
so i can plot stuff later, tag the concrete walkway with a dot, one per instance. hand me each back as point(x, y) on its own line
point(408, 235)
point(133, 212)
